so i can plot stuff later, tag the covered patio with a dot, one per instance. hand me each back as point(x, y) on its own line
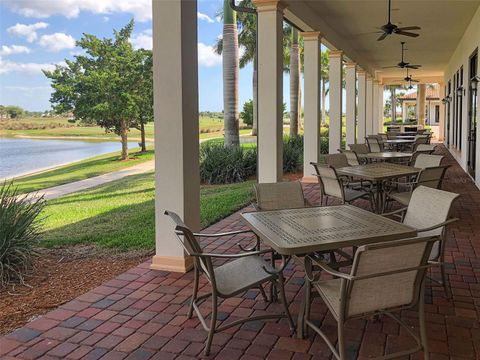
point(141, 314)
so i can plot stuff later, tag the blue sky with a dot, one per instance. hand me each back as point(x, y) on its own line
point(35, 34)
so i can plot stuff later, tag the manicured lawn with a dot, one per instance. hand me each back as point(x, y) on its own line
point(120, 214)
point(81, 170)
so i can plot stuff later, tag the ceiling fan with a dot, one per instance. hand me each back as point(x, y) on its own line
point(389, 28)
point(403, 64)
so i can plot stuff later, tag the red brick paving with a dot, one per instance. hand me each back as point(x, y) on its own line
point(141, 314)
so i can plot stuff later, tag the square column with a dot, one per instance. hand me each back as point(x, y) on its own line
point(270, 90)
point(362, 106)
point(441, 129)
point(335, 95)
point(312, 108)
point(175, 77)
point(375, 105)
point(351, 101)
point(381, 90)
point(369, 107)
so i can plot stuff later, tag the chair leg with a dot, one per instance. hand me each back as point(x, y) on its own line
point(213, 324)
point(308, 306)
point(283, 298)
point(341, 341)
point(196, 276)
point(262, 291)
point(445, 282)
point(421, 320)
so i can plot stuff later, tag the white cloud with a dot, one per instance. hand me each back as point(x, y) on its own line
point(204, 17)
point(7, 66)
point(57, 41)
point(14, 49)
point(207, 56)
point(143, 40)
point(141, 9)
point(28, 32)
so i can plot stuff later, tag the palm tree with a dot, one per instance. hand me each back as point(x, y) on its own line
point(230, 76)
point(325, 65)
point(295, 98)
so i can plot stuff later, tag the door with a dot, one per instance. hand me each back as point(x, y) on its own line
point(472, 115)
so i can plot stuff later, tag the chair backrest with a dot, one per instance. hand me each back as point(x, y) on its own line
point(336, 160)
point(432, 177)
point(426, 147)
point(382, 136)
point(392, 134)
point(352, 158)
point(277, 196)
point(386, 276)
point(424, 161)
point(373, 144)
point(330, 184)
point(192, 247)
point(359, 148)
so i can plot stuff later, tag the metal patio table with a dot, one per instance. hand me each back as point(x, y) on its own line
point(377, 173)
point(295, 232)
point(386, 156)
point(398, 143)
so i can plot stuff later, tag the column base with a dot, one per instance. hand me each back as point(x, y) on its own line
point(310, 179)
point(181, 264)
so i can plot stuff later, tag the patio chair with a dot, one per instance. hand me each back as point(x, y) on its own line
point(373, 144)
point(426, 147)
point(352, 157)
point(431, 177)
point(385, 278)
point(336, 160)
point(359, 148)
point(247, 270)
point(332, 185)
point(417, 153)
point(428, 211)
point(282, 195)
point(423, 161)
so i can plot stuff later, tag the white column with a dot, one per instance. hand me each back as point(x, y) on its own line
point(175, 76)
point(312, 96)
point(380, 108)
point(369, 107)
point(404, 111)
point(335, 96)
point(362, 106)
point(375, 107)
point(351, 102)
point(270, 94)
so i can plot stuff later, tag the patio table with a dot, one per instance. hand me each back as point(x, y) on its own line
point(295, 232)
point(398, 143)
point(377, 173)
point(386, 155)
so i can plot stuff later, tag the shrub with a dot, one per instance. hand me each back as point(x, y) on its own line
point(247, 114)
point(223, 165)
point(292, 153)
point(19, 231)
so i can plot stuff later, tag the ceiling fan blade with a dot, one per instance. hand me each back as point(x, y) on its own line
point(383, 36)
point(410, 28)
point(389, 67)
point(411, 80)
point(413, 66)
point(405, 33)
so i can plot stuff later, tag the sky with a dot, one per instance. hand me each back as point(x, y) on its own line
point(36, 34)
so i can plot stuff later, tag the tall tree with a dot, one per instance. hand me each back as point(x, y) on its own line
point(106, 86)
point(145, 93)
point(230, 76)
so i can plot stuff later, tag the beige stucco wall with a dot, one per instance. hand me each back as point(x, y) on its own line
point(467, 45)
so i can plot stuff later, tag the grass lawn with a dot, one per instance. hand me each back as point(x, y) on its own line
point(120, 214)
point(81, 170)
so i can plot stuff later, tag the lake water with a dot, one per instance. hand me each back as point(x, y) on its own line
point(22, 156)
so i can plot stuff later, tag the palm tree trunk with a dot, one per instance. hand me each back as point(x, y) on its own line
point(124, 139)
point(324, 95)
point(294, 84)
point(230, 76)
point(393, 101)
point(255, 100)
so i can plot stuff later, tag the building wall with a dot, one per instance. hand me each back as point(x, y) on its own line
point(467, 45)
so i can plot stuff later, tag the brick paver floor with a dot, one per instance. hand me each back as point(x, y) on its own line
point(141, 314)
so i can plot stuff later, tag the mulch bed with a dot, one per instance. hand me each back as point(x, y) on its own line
point(61, 275)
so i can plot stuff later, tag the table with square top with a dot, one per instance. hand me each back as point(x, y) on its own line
point(377, 173)
point(295, 232)
point(386, 156)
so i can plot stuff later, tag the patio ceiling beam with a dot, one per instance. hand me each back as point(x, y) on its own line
point(335, 97)
point(175, 76)
point(312, 108)
point(270, 90)
point(351, 101)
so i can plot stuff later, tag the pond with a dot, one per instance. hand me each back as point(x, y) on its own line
point(23, 156)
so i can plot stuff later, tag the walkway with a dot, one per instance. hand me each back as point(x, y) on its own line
point(141, 314)
point(65, 189)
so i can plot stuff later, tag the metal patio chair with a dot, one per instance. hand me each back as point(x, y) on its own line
point(374, 144)
point(423, 161)
point(247, 270)
point(428, 211)
point(359, 148)
point(427, 147)
point(352, 157)
point(385, 278)
point(277, 196)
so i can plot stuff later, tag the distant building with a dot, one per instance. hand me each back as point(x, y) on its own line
point(432, 105)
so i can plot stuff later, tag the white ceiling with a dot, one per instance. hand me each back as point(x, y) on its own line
point(350, 25)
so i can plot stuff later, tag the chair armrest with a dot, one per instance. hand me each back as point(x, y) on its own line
point(232, 256)
point(449, 221)
point(224, 234)
point(396, 212)
point(324, 266)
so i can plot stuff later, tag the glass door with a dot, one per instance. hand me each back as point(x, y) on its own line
point(472, 113)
